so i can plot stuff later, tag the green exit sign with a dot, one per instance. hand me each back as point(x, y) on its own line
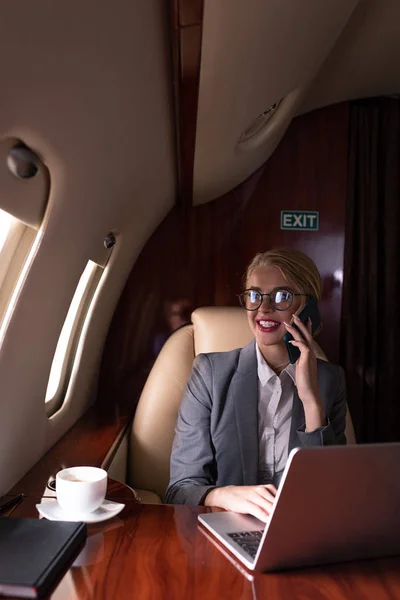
point(306, 220)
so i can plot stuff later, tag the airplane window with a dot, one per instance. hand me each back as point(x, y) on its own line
point(15, 242)
point(5, 225)
point(70, 336)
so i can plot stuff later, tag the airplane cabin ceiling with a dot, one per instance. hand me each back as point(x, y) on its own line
point(305, 55)
point(365, 61)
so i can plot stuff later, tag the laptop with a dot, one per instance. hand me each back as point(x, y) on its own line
point(334, 504)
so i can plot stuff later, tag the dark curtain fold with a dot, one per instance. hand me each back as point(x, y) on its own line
point(370, 337)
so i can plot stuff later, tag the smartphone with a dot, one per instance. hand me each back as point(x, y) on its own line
point(310, 311)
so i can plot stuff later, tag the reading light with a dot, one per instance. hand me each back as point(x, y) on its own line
point(259, 122)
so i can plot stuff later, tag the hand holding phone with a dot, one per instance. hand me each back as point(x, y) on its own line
point(310, 311)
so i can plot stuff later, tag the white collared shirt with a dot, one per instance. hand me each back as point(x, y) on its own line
point(275, 402)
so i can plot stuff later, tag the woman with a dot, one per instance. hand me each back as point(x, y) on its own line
point(243, 411)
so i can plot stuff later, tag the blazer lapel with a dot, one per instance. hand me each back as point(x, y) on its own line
point(298, 419)
point(244, 393)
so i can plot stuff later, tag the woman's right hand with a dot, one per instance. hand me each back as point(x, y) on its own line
point(256, 500)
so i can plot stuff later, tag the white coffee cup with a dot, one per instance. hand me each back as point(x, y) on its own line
point(81, 490)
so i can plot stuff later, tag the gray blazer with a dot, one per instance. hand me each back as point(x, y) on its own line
point(216, 435)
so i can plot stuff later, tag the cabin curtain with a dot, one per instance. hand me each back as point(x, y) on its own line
point(370, 336)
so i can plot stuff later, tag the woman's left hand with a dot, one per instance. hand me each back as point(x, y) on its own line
point(306, 374)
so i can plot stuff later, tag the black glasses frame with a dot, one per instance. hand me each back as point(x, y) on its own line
point(241, 298)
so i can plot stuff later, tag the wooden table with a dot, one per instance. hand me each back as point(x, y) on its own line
point(158, 552)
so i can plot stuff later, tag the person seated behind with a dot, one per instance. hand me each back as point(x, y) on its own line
point(176, 315)
point(243, 411)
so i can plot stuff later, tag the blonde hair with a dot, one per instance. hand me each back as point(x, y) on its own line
point(297, 268)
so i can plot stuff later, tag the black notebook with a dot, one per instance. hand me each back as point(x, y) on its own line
point(34, 553)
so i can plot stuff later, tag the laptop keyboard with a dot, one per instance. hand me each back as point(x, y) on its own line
point(248, 540)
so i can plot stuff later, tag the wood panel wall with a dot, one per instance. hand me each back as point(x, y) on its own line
point(186, 37)
point(197, 257)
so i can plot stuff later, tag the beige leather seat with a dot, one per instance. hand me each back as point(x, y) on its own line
point(214, 329)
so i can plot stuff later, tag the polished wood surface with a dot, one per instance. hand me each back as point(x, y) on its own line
point(6, 512)
point(160, 552)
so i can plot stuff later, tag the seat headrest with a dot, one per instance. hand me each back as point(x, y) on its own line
point(220, 328)
point(223, 328)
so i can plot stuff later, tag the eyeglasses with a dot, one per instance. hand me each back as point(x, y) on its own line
point(279, 299)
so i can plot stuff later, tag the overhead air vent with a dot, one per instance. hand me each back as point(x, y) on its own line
point(259, 122)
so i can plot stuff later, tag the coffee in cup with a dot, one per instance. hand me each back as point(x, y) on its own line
point(81, 490)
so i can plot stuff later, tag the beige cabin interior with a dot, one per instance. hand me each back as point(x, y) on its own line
point(98, 93)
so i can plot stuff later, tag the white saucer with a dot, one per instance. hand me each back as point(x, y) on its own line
point(53, 511)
